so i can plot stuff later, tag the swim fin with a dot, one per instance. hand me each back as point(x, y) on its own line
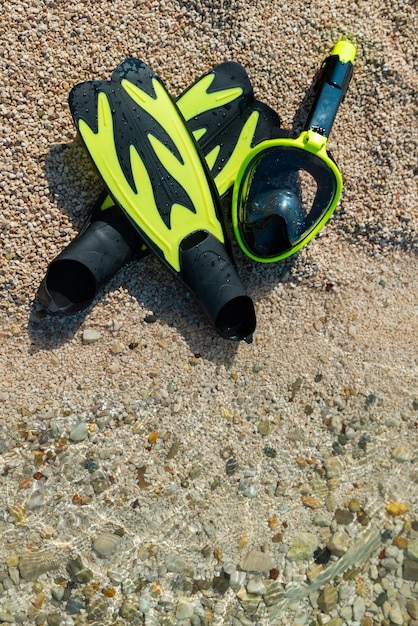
point(226, 121)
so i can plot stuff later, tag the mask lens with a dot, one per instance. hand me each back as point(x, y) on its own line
point(283, 195)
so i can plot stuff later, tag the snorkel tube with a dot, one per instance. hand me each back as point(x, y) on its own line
point(287, 189)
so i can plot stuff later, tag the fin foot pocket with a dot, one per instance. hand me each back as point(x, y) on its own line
point(68, 287)
point(208, 272)
point(107, 241)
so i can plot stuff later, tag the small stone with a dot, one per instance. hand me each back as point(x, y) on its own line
point(412, 550)
point(53, 619)
point(344, 517)
point(79, 431)
point(333, 467)
point(84, 576)
point(321, 519)
point(328, 598)
point(184, 609)
point(128, 587)
point(401, 454)
point(257, 561)
point(354, 505)
point(195, 472)
point(237, 579)
point(248, 490)
point(14, 575)
point(330, 502)
point(256, 586)
point(359, 608)
point(74, 566)
point(304, 545)
point(91, 335)
point(273, 523)
point(258, 367)
point(33, 564)
point(412, 608)
point(6, 617)
point(396, 508)
point(338, 543)
point(100, 484)
point(264, 428)
point(395, 615)
point(296, 435)
point(220, 584)
point(390, 564)
point(106, 544)
point(128, 609)
point(97, 609)
point(175, 563)
point(144, 603)
point(74, 605)
point(322, 556)
point(401, 542)
point(117, 347)
point(172, 453)
point(310, 502)
point(57, 593)
point(410, 569)
point(362, 518)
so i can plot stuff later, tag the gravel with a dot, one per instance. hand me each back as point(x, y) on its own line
point(154, 473)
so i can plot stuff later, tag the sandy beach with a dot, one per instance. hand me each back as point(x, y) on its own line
point(152, 472)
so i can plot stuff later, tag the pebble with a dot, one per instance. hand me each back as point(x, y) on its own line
point(237, 579)
point(247, 489)
point(91, 335)
point(117, 347)
point(359, 608)
point(106, 544)
point(328, 598)
point(79, 431)
point(265, 427)
point(333, 467)
point(395, 615)
point(57, 593)
point(412, 608)
point(303, 546)
point(344, 517)
point(412, 550)
point(74, 605)
point(32, 565)
point(256, 586)
point(257, 561)
point(177, 564)
point(338, 543)
point(401, 454)
point(184, 609)
point(128, 609)
point(144, 602)
point(410, 569)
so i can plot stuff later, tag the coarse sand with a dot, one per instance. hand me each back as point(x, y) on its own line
point(163, 475)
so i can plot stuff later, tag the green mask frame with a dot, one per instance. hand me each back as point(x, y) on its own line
point(287, 189)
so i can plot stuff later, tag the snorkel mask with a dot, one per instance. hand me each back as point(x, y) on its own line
point(287, 189)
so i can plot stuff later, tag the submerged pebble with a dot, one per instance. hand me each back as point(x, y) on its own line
point(106, 544)
point(256, 561)
point(79, 431)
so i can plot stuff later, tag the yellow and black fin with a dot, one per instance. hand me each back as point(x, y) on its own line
point(154, 171)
